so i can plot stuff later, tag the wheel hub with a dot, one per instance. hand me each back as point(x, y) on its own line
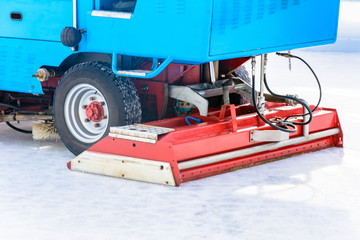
point(95, 111)
point(86, 113)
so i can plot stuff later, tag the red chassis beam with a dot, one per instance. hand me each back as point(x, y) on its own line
point(221, 143)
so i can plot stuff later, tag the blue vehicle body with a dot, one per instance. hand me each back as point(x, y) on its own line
point(182, 31)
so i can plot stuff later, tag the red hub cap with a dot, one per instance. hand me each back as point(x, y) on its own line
point(95, 112)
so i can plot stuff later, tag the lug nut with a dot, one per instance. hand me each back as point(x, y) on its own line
point(96, 125)
point(87, 120)
point(84, 107)
point(104, 117)
point(92, 98)
point(102, 103)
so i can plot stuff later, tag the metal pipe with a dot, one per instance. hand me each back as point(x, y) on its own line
point(226, 95)
point(306, 118)
point(261, 101)
point(75, 23)
point(262, 148)
point(262, 72)
point(25, 117)
point(253, 72)
point(212, 72)
point(74, 13)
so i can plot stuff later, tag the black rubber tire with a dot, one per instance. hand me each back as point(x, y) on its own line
point(120, 94)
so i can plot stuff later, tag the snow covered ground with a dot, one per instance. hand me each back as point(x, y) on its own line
point(313, 196)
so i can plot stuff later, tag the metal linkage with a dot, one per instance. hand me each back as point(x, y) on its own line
point(261, 104)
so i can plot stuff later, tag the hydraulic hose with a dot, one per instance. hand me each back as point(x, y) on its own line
point(288, 55)
point(18, 129)
point(283, 123)
point(302, 102)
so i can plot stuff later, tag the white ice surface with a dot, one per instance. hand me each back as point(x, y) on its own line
point(309, 197)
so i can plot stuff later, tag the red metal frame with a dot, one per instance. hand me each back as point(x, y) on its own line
point(152, 91)
point(220, 132)
point(230, 65)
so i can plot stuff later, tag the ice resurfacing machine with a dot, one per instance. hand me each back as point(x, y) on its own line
point(155, 90)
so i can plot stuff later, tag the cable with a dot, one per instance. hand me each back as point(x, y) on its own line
point(187, 119)
point(288, 55)
point(302, 102)
point(18, 110)
point(283, 123)
point(10, 106)
point(18, 129)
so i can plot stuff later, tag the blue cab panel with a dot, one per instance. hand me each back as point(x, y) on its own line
point(207, 30)
point(37, 20)
point(259, 26)
point(21, 58)
point(30, 38)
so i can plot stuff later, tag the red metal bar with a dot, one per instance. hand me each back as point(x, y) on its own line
point(256, 159)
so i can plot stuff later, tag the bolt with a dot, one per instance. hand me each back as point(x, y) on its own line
point(87, 120)
point(104, 117)
point(92, 98)
point(96, 125)
point(84, 107)
point(145, 88)
point(102, 103)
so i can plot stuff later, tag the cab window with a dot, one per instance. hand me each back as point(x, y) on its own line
point(117, 5)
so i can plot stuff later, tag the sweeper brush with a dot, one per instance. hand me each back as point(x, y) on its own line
point(44, 132)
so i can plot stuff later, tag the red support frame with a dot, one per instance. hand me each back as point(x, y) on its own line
point(222, 132)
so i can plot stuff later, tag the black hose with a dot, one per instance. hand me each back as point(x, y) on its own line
point(302, 102)
point(18, 110)
point(18, 129)
point(10, 106)
point(284, 123)
point(288, 55)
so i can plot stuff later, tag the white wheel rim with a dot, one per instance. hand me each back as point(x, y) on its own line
point(76, 120)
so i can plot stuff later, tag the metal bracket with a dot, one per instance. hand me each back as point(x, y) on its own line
point(155, 69)
point(187, 94)
point(139, 132)
point(124, 167)
point(268, 136)
point(224, 108)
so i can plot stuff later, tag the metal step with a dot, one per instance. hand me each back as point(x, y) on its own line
point(139, 132)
